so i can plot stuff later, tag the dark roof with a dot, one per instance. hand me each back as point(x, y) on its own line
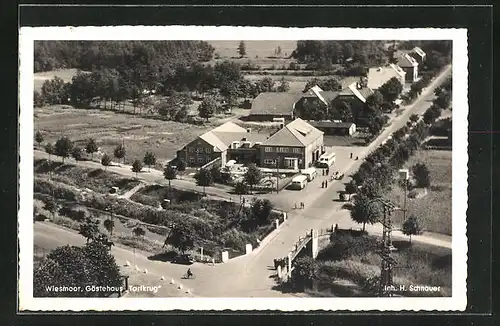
point(330, 124)
point(329, 95)
point(274, 103)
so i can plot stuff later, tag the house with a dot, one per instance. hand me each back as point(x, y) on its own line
point(409, 66)
point(297, 145)
point(269, 105)
point(334, 127)
point(228, 141)
point(314, 97)
point(378, 76)
point(418, 54)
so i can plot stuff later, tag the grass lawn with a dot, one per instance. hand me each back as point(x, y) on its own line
point(109, 129)
point(433, 209)
point(260, 50)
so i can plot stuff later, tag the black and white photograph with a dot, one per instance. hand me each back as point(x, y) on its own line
point(236, 167)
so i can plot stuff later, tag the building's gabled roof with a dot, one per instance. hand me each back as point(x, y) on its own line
point(213, 140)
point(406, 61)
point(229, 127)
point(296, 133)
point(418, 51)
point(380, 75)
point(228, 137)
point(329, 96)
point(272, 103)
point(362, 93)
point(324, 96)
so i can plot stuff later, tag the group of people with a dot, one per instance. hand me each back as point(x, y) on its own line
point(357, 158)
point(301, 205)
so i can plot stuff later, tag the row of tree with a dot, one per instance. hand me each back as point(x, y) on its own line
point(327, 53)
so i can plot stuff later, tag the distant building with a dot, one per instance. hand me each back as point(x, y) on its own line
point(335, 128)
point(270, 105)
point(315, 97)
point(409, 66)
point(378, 76)
point(418, 54)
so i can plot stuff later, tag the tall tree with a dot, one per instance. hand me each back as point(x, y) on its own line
point(207, 107)
point(90, 229)
point(412, 227)
point(109, 225)
point(242, 50)
point(284, 86)
point(365, 210)
point(253, 175)
point(136, 167)
point(38, 137)
point(63, 147)
point(170, 173)
point(351, 188)
point(77, 153)
point(149, 159)
point(139, 232)
point(422, 175)
point(391, 89)
point(105, 161)
point(90, 266)
point(120, 152)
point(49, 148)
point(91, 147)
point(203, 178)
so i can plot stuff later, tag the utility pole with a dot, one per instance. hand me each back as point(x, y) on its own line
point(277, 174)
point(386, 277)
point(404, 175)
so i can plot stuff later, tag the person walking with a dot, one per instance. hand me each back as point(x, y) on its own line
point(351, 155)
point(326, 183)
point(327, 171)
point(303, 205)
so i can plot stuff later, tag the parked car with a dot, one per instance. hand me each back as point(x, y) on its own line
point(183, 259)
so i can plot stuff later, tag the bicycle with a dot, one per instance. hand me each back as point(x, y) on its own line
point(189, 276)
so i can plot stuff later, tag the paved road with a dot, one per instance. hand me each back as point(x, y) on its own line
point(251, 275)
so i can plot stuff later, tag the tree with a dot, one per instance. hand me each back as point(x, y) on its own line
point(120, 152)
point(136, 167)
point(365, 210)
point(38, 137)
point(203, 178)
point(91, 147)
point(109, 225)
point(207, 107)
point(38, 101)
point(51, 206)
point(139, 232)
point(284, 85)
point(277, 52)
point(181, 236)
point(90, 266)
point(63, 147)
point(261, 210)
point(49, 148)
point(90, 229)
point(149, 159)
point(304, 272)
point(391, 89)
point(264, 85)
point(344, 111)
point(170, 173)
point(421, 174)
point(241, 188)
point(350, 188)
point(106, 161)
point(242, 51)
point(55, 91)
point(412, 227)
point(181, 166)
point(414, 117)
point(77, 153)
point(373, 104)
point(253, 175)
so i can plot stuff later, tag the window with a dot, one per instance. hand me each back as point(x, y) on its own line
point(297, 150)
point(192, 160)
point(283, 149)
point(269, 161)
point(201, 160)
point(268, 149)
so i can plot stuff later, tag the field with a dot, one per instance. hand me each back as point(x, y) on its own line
point(109, 129)
point(433, 209)
point(353, 260)
point(41, 77)
point(258, 51)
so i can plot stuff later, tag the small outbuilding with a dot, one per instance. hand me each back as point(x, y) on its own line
point(335, 127)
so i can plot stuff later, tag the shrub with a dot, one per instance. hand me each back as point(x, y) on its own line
point(343, 246)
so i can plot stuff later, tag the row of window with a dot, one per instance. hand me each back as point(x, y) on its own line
point(288, 162)
point(199, 150)
point(283, 150)
point(200, 160)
